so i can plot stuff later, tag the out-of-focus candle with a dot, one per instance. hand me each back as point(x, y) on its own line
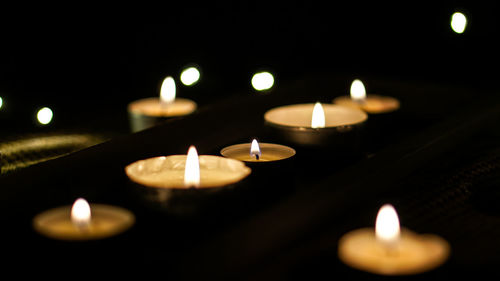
point(262, 81)
point(258, 152)
point(372, 104)
point(44, 115)
point(83, 221)
point(458, 22)
point(315, 124)
point(389, 250)
point(145, 113)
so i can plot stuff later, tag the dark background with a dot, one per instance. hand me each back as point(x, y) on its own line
point(87, 63)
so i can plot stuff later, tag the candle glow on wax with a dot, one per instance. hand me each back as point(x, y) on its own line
point(358, 91)
point(192, 169)
point(391, 249)
point(255, 149)
point(318, 116)
point(387, 229)
point(80, 213)
point(167, 92)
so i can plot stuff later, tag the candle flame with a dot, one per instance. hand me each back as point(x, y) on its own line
point(192, 170)
point(255, 149)
point(80, 213)
point(318, 116)
point(44, 116)
point(167, 91)
point(358, 91)
point(387, 229)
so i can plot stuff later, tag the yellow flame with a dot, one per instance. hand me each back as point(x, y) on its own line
point(44, 116)
point(190, 76)
point(458, 22)
point(192, 169)
point(318, 116)
point(358, 91)
point(80, 213)
point(387, 229)
point(167, 92)
point(255, 149)
point(262, 81)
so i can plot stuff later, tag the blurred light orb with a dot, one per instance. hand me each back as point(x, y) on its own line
point(1, 102)
point(190, 76)
point(262, 81)
point(44, 115)
point(458, 22)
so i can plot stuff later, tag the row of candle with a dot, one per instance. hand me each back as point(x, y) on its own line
point(387, 250)
point(145, 113)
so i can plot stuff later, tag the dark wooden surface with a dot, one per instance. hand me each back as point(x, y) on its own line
point(285, 229)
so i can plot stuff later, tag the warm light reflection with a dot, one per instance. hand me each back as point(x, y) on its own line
point(80, 213)
point(167, 91)
point(358, 92)
point(387, 229)
point(192, 169)
point(262, 81)
point(318, 116)
point(44, 116)
point(255, 149)
point(458, 22)
point(190, 76)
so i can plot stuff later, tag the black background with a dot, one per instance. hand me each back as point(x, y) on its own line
point(88, 63)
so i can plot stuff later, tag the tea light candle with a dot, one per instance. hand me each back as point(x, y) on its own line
point(258, 152)
point(83, 221)
point(183, 184)
point(372, 104)
point(389, 250)
point(316, 124)
point(145, 113)
point(187, 171)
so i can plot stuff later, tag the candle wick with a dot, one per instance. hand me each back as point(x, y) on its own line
point(361, 101)
point(391, 249)
point(83, 226)
point(165, 104)
point(257, 156)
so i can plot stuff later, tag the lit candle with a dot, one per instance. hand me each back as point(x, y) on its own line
point(187, 171)
point(181, 183)
point(372, 104)
point(316, 124)
point(145, 113)
point(258, 152)
point(390, 250)
point(83, 221)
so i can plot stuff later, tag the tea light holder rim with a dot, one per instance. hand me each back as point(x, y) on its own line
point(397, 103)
point(307, 128)
point(165, 114)
point(262, 145)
